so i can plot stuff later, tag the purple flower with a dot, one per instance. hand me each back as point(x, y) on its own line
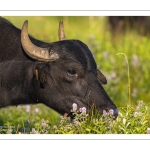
point(111, 111)
point(104, 113)
point(148, 130)
point(74, 106)
point(76, 122)
point(141, 103)
point(136, 114)
point(82, 110)
point(43, 123)
point(34, 131)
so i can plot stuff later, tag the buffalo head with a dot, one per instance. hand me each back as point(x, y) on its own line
point(65, 72)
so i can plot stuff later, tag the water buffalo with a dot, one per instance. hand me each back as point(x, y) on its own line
point(56, 74)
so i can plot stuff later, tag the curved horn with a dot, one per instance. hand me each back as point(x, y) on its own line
point(61, 33)
point(35, 52)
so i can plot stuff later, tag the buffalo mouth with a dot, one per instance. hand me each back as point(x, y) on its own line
point(79, 106)
point(111, 112)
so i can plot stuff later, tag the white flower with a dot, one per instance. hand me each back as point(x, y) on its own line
point(74, 105)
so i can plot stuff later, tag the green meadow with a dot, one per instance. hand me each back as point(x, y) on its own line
point(132, 98)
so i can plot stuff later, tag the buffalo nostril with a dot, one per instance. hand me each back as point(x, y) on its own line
point(115, 113)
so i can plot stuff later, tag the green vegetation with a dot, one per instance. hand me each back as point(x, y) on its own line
point(125, 91)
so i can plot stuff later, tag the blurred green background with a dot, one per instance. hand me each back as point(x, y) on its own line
point(104, 44)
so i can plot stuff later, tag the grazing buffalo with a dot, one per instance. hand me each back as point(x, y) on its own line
point(56, 74)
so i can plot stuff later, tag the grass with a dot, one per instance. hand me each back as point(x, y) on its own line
point(129, 121)
point(129, 92)
point(125, 87)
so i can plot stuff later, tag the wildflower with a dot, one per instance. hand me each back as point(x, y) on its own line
point(36, 110)
point(76, 122)
point(137, 108)
point(27, 108)
point(55, 127)
point(148, 130)
point(43, 120)
point(43, 123)
point(82, 110)
point(34, 131)
point(74, 106)
point(136, 114)
point(141, 103)
point(111, 111)
point(104, 113)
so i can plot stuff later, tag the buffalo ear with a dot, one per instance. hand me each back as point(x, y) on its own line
point(101, 78)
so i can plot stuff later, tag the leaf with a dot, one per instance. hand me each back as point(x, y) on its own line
point(87, 129)
point(144, 122)
point(128, 124)
point(124, 121)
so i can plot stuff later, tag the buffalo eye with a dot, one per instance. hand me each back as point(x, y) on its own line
point(72, 72)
